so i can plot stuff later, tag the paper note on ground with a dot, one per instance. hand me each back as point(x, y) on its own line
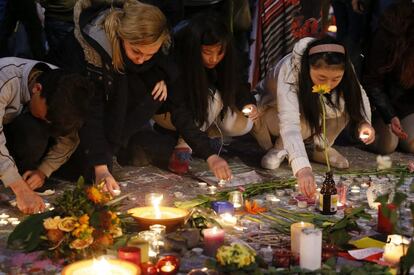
point(361, 254)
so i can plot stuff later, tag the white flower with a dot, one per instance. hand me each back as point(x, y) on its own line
point(384, 162)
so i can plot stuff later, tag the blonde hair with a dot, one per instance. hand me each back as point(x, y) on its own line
point(136, 23)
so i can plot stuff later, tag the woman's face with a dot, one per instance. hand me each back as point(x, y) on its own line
point(138, 54)
point(212, 55)
point(325, 75)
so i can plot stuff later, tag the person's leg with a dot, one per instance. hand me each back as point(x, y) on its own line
point(265, 127)
point(56, 31)
point(333, 128)
point(385, 141)
point(7, 27)
point(408, 125)
point(27, 141)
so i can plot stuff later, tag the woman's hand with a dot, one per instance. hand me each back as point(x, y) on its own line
point(306, 182)
point(160, 91)
point(102, 174)
point(397, 129)
point(366, 133)
point(219, 167)
point(254, 113)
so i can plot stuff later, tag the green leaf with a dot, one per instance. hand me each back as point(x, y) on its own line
point(383, 199)
point(407, 261)
point(27, 235)
point(399, 198)
point(401, 180)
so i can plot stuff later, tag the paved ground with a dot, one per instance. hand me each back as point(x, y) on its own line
point(243, 155)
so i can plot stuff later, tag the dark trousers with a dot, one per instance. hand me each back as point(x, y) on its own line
point(25, 12)
point(28, 140)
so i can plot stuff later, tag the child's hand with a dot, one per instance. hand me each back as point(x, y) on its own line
point(366, 133)
point(160, 91)
point(34, 178)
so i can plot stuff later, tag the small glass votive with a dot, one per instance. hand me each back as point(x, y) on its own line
point(236, 198)
point(130, 254)
point(152, 239)
point(168, 265)
point(212, 189)
point(158, 229)
point(282, 257)
point(153, 198)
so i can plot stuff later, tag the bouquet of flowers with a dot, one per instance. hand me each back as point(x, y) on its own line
point(236, 259)
point(83, 223)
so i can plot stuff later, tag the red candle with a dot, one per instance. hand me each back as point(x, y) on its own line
point(149, 268)
point(213, 239)
point(384, 224)
point(130, 254)
point(168, 265)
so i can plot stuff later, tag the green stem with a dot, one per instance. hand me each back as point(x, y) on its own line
point(325, 140)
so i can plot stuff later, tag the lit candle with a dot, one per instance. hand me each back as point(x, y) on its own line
point(364, 185)
point(395, 248)
point(213, 239)
point(363, 136)
point(212, 190)
point(4, 216)
point(202, 184)
point(295, 230)
point(236, 198)
point(12, 219)
point(3, 222)
point(101, 267)
point(15, 222)
point(168, 265)
point(310, 248)
point(152, 198)
point(228, 220)
point(272, 199)
point(130, 254)
point(148, 268)
point(246, 111)
point(280, 193)
point(158, 229)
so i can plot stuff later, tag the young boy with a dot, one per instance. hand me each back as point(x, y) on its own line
point(41, 109)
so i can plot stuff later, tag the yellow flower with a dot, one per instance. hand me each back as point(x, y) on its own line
point(321, 89)
point(237, 254)
point(82, 230)
point(67, 224)
point(51, 223)
point(81, 244)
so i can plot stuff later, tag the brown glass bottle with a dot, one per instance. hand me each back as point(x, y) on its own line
point(328, 198)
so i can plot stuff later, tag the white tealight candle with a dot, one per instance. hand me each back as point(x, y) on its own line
point(228, 219)
point(246, 111)
point(202, 184)
point(4, 216)
point(364, 185)
point(3, 222)
point(15, 222)
point(302, 204)
point(212, 189)
point(222, 182)
point(117, 192)
point(12, 219)
point(310, 248)
point(280, 193)
point(272, 199)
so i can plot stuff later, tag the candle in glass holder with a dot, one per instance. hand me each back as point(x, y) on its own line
point(272, 199)
point(168, 265)
point(213, 239)
point(151, 238)
point(212, 189)
point(310, 255)
point(159, 229)
point(395, 248)
point(295, 230)
point(236, 198)
point(148, 268)
point(130, 254)
point(282, 258)
point(246, 111)
point(228, 220)
point(302, 204)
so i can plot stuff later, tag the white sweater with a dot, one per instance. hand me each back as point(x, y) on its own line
point(285, 77)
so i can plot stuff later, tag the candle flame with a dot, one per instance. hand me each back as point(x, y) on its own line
point(156, 201)
point(168, 267)
point(101, 266)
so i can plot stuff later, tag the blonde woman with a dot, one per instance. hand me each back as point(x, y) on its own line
point(122, 48)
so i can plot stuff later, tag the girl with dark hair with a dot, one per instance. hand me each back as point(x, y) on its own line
point(292, 113)
point(209, 94)
point(389, 80)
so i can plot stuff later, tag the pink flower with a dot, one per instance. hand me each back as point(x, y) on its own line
point(410, 166)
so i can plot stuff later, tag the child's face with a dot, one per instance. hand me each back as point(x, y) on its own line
point(138, 54)
point(328, 76)
point(212, 55)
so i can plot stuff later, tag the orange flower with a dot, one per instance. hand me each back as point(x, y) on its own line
point(321, 89)
point(102, 239)
point(253, 208)
point(84, 219)
point(94, 194)
point(54, 235)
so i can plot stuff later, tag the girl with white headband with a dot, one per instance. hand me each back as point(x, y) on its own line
point(291, 112)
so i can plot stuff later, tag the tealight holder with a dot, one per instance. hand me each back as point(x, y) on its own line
point(236, 198)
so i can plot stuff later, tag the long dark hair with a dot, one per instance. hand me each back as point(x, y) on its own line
point(398, 22)
point(349, 86)
point(205, 29)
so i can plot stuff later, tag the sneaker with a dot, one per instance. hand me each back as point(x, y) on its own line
point(336, 160)
point(180, 160)
point(273, 158)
